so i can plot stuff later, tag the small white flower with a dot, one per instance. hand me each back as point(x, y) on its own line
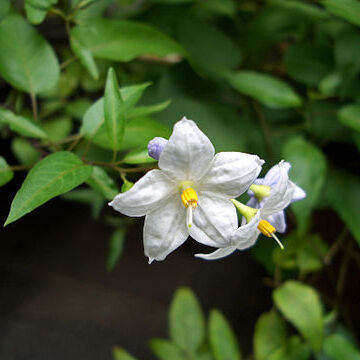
point(190, 193)
point(258, 220)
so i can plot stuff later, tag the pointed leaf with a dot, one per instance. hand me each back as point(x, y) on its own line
point(52, 176)
point(121, 354)
point(36, 9)
point(142, 111)
point(349, 115)
point(346, 9)
point(115, 248)
point(165, 350)
point(6, 174)
point(103, 183)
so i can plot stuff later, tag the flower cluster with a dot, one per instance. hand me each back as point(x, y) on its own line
point(194, 193)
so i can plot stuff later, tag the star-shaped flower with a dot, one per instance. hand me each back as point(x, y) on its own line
point(190, 193)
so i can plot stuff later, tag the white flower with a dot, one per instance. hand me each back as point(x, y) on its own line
point(258, 220)
point(190, 193)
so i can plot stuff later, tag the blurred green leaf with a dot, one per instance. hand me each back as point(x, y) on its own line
point(265, 88)
point(308, 171)
point(103, 183)
point(343, 193)
point(346, 9)
point(114, 111)
point(27, 61)
point(338, 347)
point(4, 8)
point(349, 115)
point(6, 174)
point(144, 111)
point(301, 305)
point(77, 108)
point(36, 9)
point(123, 40)
point(223, 7)
point(52, 176)
point(140, 156)
point(308, 63)
point(186, 321)
point(294, 349)
point(121, 354)
point(22, 125)
point(116, 245)
point(24, 152)
point(58, 128)
point(269, 335)
point(222, 338)
point(165, 350)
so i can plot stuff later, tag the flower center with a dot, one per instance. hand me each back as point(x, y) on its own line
point(268, 230)
point(189, 199)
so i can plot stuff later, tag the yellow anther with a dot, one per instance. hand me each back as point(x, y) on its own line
point(189, 197)
point(266, 228)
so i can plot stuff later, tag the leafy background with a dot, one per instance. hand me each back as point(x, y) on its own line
point(279, 78)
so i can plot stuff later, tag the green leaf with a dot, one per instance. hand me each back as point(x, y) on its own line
point(338, 347)
point(308, 171)
point(115, 248)
point(349, 115)
point(301, 305)
point(221, 8)
point(4, 8)
point(138, 157)
point(123, 40)
point(346, 9)
point(308, 63)
point(114, 111)
point(36, 9)
point(165, 350)
point(52, 176)
point(22, 125)
point(222, 338)
point(186, 320)
point(267, 89)
point(144, 111)
point(294, 349)
point(121, 354)
point(27, 61)
point(100, 181)
point(24, 152)
point(269, 336)
point(58, 128)
point(342, 192)
point(6, 174)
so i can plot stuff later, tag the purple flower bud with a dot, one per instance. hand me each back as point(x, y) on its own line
point(156, 146)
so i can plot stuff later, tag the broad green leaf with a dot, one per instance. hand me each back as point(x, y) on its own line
point(6, 174)
point(267, 89)
point(85, 56)
point(346, 9)
point(116, 244)
point(338, 347)
point(22, 125)
point(100, 181)
point(36, 9)
point(121, 354)
point(24, 152)
point(143, 111)
point(222, 338)
point(300, 304)
point(293, 349)
point(52, 176)
point(138, 157)
point(131, 94)
point(308, 171)
point(58, 128)
point(114, 111)
point(123, 40)
point(165, 350)
point(342, 192)
point(349, 115)
point(27, 61)
point(269, 336)
point(186, 320)
point(310, 256)
point(308, 63)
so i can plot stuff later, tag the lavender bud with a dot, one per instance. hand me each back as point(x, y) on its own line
point(156, 146)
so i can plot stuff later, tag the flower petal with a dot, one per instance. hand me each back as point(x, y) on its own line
point(146, 195)
point(246, 235)
point(277, 220)
point(231, 173)
point(217, 254)
point(299, 193)
point(165, 229)
point(272, 176)
point(214, 220)
point(188, 154)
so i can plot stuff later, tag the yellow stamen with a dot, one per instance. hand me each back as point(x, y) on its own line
point(189, 198)
point(268, 230)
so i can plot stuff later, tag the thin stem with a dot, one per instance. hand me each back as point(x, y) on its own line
point(335, 246)
point(20, 167)
point(67, 62)
point(34, 106)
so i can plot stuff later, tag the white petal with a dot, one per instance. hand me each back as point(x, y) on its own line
point(280, 195)
point(272, 176)
point(246, 235)
point(278, 221)
point(188, 154)
point(217, 254)
point(231, 173)
point(165, 229)
point(147, 194)
point(214, 220)
point(299, 193)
